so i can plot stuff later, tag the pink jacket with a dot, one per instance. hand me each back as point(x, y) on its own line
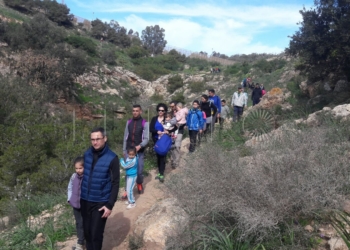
point(181, 115)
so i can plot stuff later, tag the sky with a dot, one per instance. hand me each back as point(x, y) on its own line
point(228, 27)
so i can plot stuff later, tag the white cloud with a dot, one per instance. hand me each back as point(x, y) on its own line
point(201, 26)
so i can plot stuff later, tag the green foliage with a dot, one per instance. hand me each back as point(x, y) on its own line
point(270, 66)
point(200, 64)
point(174, 83)
point(9, 13)
point(340, 221)
point(58, 13)
point(178, 57)
point(197, 87)
point(57, 228)
point(82, 43)
point(136, 52)
point(221, 239)
point(112, 32)
point(108, 56)
point(153, 39)
point(157, 98)
point(131, 95)
point(179, 97)
point(322, 41)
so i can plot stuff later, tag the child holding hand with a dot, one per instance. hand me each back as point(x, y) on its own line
point(130, 165)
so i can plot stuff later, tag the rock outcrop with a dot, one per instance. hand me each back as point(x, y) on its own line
point(163, 220)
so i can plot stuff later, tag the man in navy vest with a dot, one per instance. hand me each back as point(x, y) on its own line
point(136, 135)
point(99, 188)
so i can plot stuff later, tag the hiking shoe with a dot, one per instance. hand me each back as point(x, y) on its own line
point(161, 178)
point(125, 196)
point(140, 188)
point(157, 177)
point(131, 205)
point(79, 247)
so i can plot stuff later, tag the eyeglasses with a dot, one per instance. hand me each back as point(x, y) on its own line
point(161, 110)
point(97, 139)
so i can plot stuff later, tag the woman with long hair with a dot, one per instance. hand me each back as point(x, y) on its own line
point(157, 130)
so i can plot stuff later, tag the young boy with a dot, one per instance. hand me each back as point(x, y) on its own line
point(74, 188)
point(194, 123)
point(225, 113)
point(130, 165)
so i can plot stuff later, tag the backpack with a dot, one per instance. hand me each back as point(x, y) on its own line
point(163, 145)
point(244, 85)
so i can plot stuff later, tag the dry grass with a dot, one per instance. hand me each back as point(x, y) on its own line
point(298, 174)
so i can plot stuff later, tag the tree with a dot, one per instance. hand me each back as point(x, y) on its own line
point(153, 39)
point(99, 29)
point(322, 42)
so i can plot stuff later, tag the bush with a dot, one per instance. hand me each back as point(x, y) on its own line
point(200, 64)
point(179, 97)
point(292, 175)
point(270, 66)
point(82, 43)
point(197, 87)
point(136, 52)
point(174, 83)
point(108, 56)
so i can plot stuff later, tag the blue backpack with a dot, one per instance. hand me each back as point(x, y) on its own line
point(163, 145)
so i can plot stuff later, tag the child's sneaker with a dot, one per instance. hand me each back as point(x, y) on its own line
point(140, 188)
point(125, 196)
point(161, 178)
point(157, 177)
point(131, 205)
point(79, 247)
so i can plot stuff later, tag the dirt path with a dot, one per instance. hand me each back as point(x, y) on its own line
point(121, 222)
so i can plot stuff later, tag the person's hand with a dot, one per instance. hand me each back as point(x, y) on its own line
point(159, 132)
point(138, 148)
point(200, 131)
point(106, 213)
point(185, 127)
point(218, 116)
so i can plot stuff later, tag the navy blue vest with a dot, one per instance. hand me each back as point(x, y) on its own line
point(96, 185)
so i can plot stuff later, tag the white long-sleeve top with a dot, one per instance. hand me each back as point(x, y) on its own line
point(239, 99)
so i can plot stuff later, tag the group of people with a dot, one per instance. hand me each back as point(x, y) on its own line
point(215, 70)
point(93, 188)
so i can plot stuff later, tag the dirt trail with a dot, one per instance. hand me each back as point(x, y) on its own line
point(121, 222)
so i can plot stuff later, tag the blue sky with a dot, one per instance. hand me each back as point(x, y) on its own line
point(229, 27)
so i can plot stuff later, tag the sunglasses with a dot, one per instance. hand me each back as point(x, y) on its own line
point(161, 110)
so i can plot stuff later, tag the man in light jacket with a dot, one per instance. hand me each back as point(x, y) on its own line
point(239, 101)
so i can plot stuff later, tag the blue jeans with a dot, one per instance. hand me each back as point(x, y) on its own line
point(237, 113)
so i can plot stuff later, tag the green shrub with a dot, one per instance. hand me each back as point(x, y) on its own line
point(136, 52)
point(200, 64)
point(82, 43)
point(179, 97)
point(174, 83)
point(197, 87)
point(157, 98)
point(108, 56)
point(270, 66)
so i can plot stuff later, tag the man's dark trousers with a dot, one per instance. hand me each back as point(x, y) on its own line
point(94, 224)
